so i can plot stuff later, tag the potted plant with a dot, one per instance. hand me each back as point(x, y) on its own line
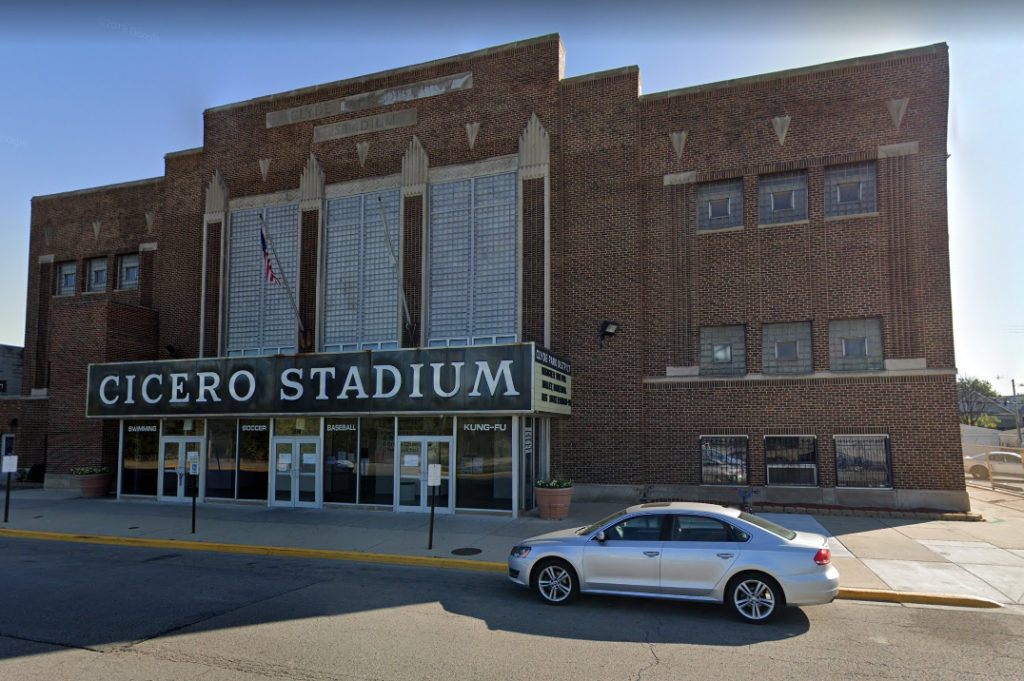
point(93, 481)
point(553, 497)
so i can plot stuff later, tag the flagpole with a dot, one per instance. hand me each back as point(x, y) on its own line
point(394, 263)
point(284, 279)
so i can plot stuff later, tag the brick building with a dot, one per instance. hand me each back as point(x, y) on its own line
point(479, 263)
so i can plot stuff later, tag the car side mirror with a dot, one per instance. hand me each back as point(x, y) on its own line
point(599, 537)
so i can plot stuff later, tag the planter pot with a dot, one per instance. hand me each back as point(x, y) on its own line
point(95, 485)
point(553, 504)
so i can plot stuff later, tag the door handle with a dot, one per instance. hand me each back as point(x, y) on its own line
point(726, 555)
point(651, 554)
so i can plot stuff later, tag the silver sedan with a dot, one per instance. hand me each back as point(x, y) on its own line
point(684, 551)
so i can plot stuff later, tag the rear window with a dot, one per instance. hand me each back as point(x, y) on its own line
point(768, 526)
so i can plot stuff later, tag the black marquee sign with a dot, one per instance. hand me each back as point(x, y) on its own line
point(473, 379)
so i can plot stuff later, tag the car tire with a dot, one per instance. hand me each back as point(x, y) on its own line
point(555, 582)
point(979, 473)
point(754, 597)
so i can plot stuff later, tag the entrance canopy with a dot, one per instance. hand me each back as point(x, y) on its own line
point(511, 379)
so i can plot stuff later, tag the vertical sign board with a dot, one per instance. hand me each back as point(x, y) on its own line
point(10, 464)
point(552, 383)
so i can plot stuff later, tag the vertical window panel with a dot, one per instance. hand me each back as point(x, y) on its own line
point(361, 295)
point(261, 315)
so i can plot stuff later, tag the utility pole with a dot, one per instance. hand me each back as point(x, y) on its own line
point(1016, 410)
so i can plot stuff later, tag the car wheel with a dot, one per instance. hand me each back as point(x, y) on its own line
point(754, 597)
point(979, 473)
point(555, 582)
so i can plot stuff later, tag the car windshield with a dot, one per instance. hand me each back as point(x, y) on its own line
point(600, 523)
point(768, 525)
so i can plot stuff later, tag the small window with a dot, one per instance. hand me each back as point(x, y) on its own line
point(720, 205)
point(855, 347)
point(718, 208)
point(786, 350)
point(66, 278)
point(782, 200)
point(97, 275)
point(851, 190)
point(791, 459)
point(128, 271)
point(722, 353)
point(848, 192)
point(863, 461)
point(723, 460)
point(3, 387)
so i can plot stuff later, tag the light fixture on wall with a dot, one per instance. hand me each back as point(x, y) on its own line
point(608, 329)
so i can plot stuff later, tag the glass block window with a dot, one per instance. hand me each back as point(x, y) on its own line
point(260, 317)
point(863, 461)
point(97, 272)
point(66, 272)
point(855, 345)
point(361, 292)
point(791, 459)
point(782, 198)
point(128, 271)
point(786, 348)
point(719, 205)
point(723, 351)
point(473, 271)
point(851, 189)
point(723, 459)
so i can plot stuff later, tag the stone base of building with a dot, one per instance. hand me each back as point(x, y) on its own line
point(59, 481)
point(790, 498)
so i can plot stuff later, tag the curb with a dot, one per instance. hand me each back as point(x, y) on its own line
point(881, 595)
point(919, 598)
point(284, 551)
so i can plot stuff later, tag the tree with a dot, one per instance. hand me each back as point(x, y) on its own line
point(974, 394)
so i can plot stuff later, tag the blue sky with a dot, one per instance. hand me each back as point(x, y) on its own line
point(96, 94)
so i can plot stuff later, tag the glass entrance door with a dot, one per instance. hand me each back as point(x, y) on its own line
point(415, 454)
point(296, 472)
point(173, 483)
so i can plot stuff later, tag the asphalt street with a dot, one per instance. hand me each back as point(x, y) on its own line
point(84, 612)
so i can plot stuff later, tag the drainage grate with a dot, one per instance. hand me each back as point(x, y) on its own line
point(466, 552)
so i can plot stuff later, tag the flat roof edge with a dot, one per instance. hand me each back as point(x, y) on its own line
point(92, 190)
point(389, 72)
point(800, 71)
point(183, 152)
point(598, 75)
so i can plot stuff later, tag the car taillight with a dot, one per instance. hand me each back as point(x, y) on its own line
point(823, 557)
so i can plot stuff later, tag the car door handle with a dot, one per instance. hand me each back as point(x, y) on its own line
point(652, 554)
point(726, 555)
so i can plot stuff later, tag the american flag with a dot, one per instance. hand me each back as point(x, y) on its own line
point(268, 269)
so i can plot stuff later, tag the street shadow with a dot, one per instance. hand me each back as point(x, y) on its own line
point(69, 595)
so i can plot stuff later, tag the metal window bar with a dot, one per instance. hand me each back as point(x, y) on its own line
point(724, 460)
point(863, 461)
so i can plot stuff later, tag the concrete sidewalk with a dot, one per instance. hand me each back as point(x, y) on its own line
point(903, 560)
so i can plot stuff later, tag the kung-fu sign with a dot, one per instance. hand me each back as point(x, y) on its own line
point(476, 379)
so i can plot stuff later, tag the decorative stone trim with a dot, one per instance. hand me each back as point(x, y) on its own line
point(781, 126)
point(894, 150)
point(96, 226)
point(259, 201)
point(472, 130)
point(827, 377)
point(362, 149)
point(148, 246)
point(679, 142)
point(264, 167)
point(415, 166)
point(216, 197)
point(46, 259)
point(534, 150)
point(311, 185)
point(688, 177)
point(150, 217)
point(906, 364)
point(683, 371)
point(897, 108)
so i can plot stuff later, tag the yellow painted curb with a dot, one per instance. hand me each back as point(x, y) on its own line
point(919, 598)
point(289, 552)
